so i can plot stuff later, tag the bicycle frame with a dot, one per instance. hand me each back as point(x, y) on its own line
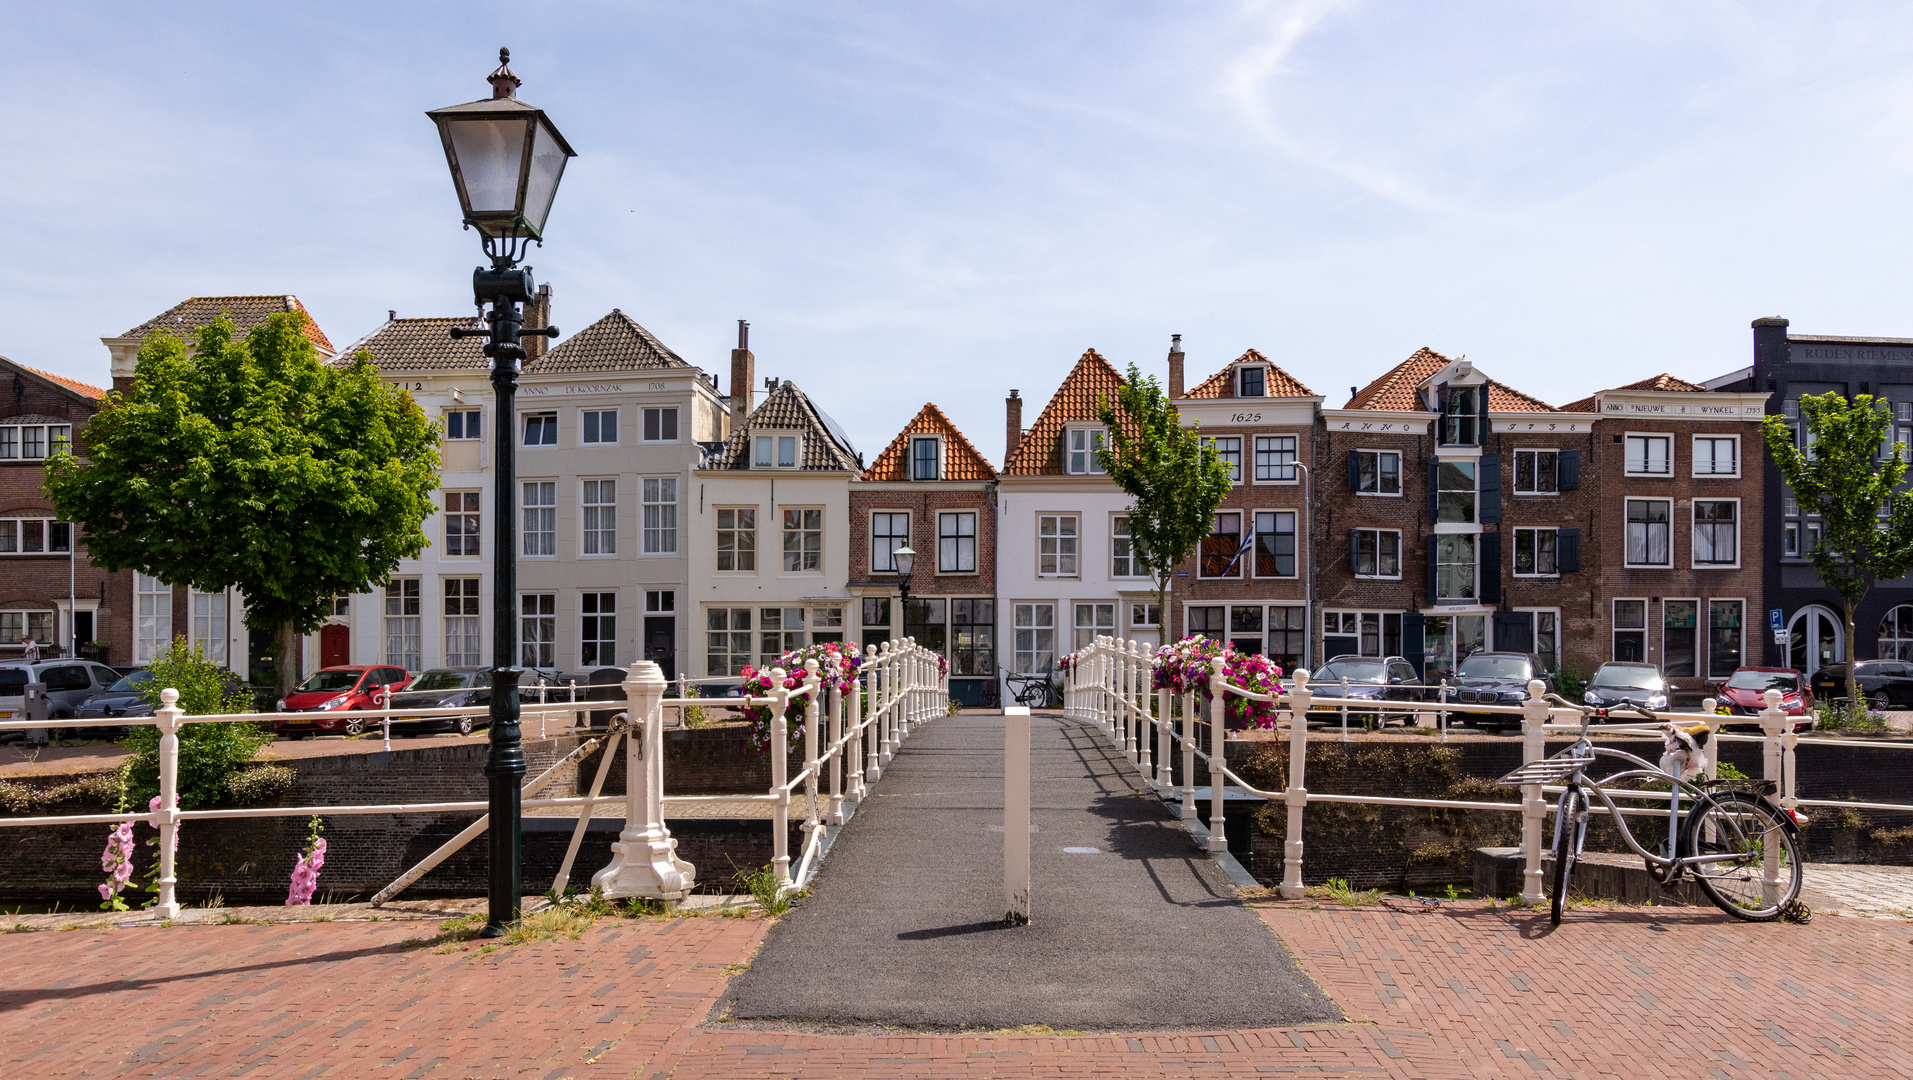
point(1673, 860)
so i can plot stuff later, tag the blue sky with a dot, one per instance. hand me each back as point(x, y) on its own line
point(919, 202)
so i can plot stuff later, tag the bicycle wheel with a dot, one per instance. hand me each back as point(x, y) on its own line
point(1570, 830)
point(1764, 874)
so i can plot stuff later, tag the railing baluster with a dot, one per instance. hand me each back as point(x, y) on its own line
point(780, 773)
point(811, 716)
point(1189, 756)
point(1776, 762)
point(1297, 795)
point(1218, 708)
point(836, 816)
point(168, 717)
point(873, 720)
point(1139, 700)
point(1534, 747)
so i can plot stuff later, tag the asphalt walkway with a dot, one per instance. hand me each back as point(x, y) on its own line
point(1133, 928)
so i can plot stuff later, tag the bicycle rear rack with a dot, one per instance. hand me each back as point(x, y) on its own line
point(1551, 770)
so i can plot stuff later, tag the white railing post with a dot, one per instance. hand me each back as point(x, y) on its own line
point(1776, 762)
point(780, 774)
point(884, 694)
point(578, 718)
point(1297, 795)
point(854, 745)
point(1189, 756)
point(1218, 710)
point(1711, 763)
point(168, 718)
point(836, 751)
point(644, 861)
point(541, 712)
point(1139, 701)
point(811, 715)
point(1534, 809)
point(1164, 776)
point(873, 722)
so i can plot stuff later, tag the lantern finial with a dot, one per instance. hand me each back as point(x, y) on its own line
point(504, 83)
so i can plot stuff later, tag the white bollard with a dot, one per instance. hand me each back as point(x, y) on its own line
point(1534, 811)
point(1218, 708)
point(811, 715)
point(1297, 795)
point(168, 718)
point(1776, 765)
point(1016, 815)
point(644, 861)
point(780, 773)
point(1189, 812)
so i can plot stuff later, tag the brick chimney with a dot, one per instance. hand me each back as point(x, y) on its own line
point(1770, 350)
point(743, 376)
point(1012, 426)
point(1175, 366)
point(537, 316)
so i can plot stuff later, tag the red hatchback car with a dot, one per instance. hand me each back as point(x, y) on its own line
point(337, 689)
point(1745, 693)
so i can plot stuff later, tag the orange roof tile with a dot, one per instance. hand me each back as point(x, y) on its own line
point(961, 461)
point(78, 387)
point(1040, 453)
point(1663, 381)
point(1394, 391)
point(1222, 383)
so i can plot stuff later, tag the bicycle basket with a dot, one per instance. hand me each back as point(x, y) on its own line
point(1549, 770)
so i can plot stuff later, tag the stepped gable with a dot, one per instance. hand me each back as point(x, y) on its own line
point(613, 343)
point(421, 345)
point(1040, 452)
point(787, 408)
point(1222, 383)
point(1663, 381)
point(246, 312)
point(1395, 390)
point(961, 461)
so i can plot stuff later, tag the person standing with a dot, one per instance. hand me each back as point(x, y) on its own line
point(30, 648)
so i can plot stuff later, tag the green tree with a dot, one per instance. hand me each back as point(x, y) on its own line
point(1174, 480)
point(254, 463)
point(209, 754)
point(1866, 521)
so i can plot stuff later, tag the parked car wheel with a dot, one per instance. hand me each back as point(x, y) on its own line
point(465, 724)
point(1879, 702)
point(354, 726)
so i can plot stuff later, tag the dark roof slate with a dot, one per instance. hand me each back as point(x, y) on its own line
point(613, 343)
point(422, 345)
point(787, 408)
point(246, 312)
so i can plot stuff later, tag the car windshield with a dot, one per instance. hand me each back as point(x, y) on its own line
point(1627, 678)
point(13, 682)
point(330, 680)
point(131, 684)
point(1358, 671)
point(445, 680)
point(1764, 680)
point(1493, 667)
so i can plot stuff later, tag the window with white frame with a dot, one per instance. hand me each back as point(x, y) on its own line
point(600, 517)
point(779, 630)
point(1083, 444)
point(1650, 455)
point(775, 451)
point(803, 539)
point(1455, 491)
point(956, 542)
point(727, 640)
point(32, 442)
point(153, 626)
point(462, 636)
point(35, 536)
point(538, 517)
point(1899, 433)
point(600, 426)
point(1716, 455)
point(889, 530)
point(537, 630)
point(1229, 449)
point(826, 624)
point(1378, 553)
point(1535, 552)
point(463, 424)
point(1724, 618)
point(1378, 472)
point(660, 602)
point(541, 429)
point(402, 623)
point(660, 509)
point(1252, 380)
point(1547, 635)
point(209, 624)
point(1145, 616)
point(1648, 533)
point(1455, 566)
point(925, 456)
point(1680, 622)
point(1275, 459)
point(1716, 532)
point(1630, 630)
point(462, 521)
point(598, 629)
point(1536, 472)
point(19, 623)
point(1094, 621)
point(1375, 633)
point(1035, 628)
point(341, 605)
point(661, 425)
point(1219, 555)
point(1056, 538)
point(1275, 544)
point(1209, 621)
point(1122, 550)
point(737, 538)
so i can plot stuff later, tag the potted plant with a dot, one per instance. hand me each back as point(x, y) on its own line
point(96, 651)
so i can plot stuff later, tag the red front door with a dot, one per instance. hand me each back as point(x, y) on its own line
point(335, 645)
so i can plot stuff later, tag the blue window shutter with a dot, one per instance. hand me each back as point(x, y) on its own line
point(1414, 641)
point(1489, 578)
point(1431, 569)
point(1567, 551)
point(1481, 432)
point(1568, 463)
point(1434, 493)
point(1489, 479)
point(1354, 553)
point(1355, 470)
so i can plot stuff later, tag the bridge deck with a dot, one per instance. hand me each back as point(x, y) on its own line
point(902, 927)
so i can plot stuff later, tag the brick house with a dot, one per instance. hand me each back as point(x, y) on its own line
point(1249, 582)
point(932, 490)
point(48, 588)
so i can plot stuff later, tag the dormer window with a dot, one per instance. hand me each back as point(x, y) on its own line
point(1083, 444)
point(1252, 381)
point(1459, 413)
point(774, 451)
point(925, 457)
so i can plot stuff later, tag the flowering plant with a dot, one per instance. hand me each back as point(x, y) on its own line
point(943, 666)
point(117, 861)
point(837, 665)
point(1185, 666)
point(305, 870)
point(1067, 663)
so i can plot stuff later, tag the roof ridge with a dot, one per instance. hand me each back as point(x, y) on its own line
point(892, 455)
point(1253, 356)
point(86, 389)
point(1028, 459)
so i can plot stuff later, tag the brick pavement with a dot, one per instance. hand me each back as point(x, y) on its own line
point(1464, 991)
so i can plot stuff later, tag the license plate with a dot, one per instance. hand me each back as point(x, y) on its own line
point(298, 720)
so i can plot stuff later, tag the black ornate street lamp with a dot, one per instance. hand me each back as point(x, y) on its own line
point(506, 160)
point(905, 561)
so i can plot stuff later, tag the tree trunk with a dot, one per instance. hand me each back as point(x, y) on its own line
point(1853, 673)
point(286, 659)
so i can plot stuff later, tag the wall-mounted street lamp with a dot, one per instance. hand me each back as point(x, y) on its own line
point(905, 561)
point(506, 160)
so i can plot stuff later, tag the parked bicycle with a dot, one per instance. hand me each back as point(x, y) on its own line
point(1742, 848)
point(1035, 689)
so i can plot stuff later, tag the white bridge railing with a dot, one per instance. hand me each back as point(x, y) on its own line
point(1109, 685)
point(849, 738)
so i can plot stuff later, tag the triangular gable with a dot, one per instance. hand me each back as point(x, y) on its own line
point(1662, 381)
point(787, 408)
point(186, 317)
point(1222, 383)
point(961, 461)
point(1395, 389)
point(613, 343)
point(424, 344)
point(1040, 453)
point(92, 394)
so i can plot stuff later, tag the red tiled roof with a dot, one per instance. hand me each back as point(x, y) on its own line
point(1663, 381)
point(1040, 453)
point(245, 312)
point(1222, 383)
point(1394, 391)
point(961, 461)
point(84, 389)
